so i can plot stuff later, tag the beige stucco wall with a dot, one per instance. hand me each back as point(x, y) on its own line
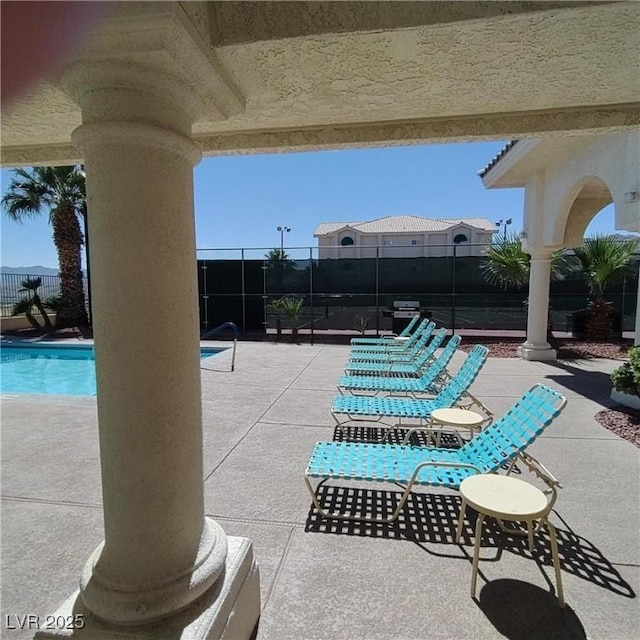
point(21, 322)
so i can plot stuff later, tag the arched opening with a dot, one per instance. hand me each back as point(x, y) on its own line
point(347, 241)
point(461, 237)
point(591, 196)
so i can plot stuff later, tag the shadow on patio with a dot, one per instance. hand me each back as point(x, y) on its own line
point(516, 609)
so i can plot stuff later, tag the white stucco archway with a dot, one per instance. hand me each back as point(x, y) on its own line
point(583, 201)
point(567, 181)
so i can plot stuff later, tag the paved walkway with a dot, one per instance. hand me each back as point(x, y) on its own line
point(329, 580)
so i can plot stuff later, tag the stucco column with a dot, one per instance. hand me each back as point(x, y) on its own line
point(160, 553)
point(536, 346)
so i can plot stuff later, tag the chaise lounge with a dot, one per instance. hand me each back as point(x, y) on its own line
point(406, 368)
point(498, 444)
point(347, 409)
point(428, 383)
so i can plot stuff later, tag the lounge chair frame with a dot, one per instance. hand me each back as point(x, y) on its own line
point(503, 442)
point(429, 383)
point(454, 393)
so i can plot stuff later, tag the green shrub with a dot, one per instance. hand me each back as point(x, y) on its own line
point(627, 377)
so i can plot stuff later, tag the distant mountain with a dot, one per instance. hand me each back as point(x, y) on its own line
point(37, 270)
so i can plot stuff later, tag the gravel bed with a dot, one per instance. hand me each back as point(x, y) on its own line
point(567, 348)
point(623, 421)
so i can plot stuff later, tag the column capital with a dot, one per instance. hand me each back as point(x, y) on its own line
point(110, 89)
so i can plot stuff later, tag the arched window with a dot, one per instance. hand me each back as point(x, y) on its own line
point(346, 241)
point(460, 238)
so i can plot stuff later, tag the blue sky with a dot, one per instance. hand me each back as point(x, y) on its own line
point(240, 200)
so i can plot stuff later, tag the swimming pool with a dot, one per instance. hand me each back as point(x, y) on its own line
point(57, 369)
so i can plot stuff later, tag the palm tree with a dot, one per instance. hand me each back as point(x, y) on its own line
point(604, 259)
point(507, 264)
point(278, 264)
point(292, 308)
point(278, 261)
point(31, 286)
point(61, 191)
point(25, 306)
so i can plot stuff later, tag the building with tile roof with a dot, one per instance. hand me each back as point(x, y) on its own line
point(404, 237)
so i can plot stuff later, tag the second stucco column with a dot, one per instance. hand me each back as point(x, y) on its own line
point(536, 346)
point(160, 553)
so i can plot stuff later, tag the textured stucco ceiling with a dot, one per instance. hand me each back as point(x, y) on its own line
point(402, 72)
point(237, 22)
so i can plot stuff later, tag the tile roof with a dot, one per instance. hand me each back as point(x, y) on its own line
point(494, 161)
point(404, 224)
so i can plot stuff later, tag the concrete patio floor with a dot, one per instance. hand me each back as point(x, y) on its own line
point(327, 580)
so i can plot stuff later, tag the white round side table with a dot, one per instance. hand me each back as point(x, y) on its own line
point(511, 499)
point(457, 418)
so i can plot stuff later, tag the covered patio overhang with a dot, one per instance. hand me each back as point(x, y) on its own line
point(162, 83)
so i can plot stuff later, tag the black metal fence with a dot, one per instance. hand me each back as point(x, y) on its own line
point(351, 294)
point(11, 283)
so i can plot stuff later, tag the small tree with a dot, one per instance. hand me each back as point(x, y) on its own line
point(292, 308)
point(277, 308)
point(26, 305)
point(604, 260)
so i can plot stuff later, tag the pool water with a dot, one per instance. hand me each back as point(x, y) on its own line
point(64, 370)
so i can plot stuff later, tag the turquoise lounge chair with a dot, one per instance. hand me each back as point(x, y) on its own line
point(500, 443)
point(389, 338)
point(399, 367)
point(396, 347)
point(428, 383)
point(358, 408)
point(400, 354)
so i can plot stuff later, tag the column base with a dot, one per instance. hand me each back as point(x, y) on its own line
point(228, 611)
point(527, 351)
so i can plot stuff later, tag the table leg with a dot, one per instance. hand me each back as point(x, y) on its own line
point(556, 560)
point(463, 508)
point(530, 534)
point(476, 554)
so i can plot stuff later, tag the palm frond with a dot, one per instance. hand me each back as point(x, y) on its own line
point(506, 264)
point(22, 307)
point(291, 307)
point(604, 259)
point(30, 284)
point(54, 303)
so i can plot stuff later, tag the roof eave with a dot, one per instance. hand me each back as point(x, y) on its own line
point(498, 175)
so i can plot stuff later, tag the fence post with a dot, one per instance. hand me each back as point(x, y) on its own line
point(377, 291)
point(244, 294)
point(205, 298)
point(311, 289)
point(453, 292)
